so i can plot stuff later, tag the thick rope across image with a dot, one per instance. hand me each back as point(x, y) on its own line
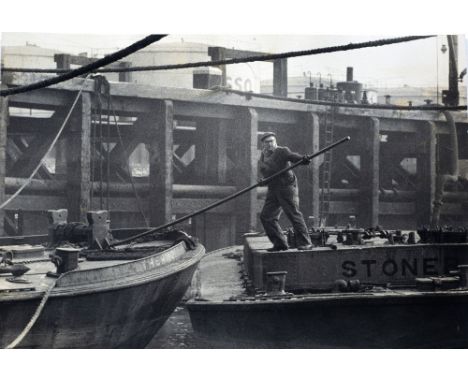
point(263, 57)
point(86, 68)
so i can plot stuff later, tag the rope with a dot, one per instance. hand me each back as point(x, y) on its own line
point(249, 95)
point(34, 318)
point(262, 57)
point(41, 162)
point(86, 68)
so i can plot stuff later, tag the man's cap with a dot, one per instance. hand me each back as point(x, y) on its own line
point(267, 134)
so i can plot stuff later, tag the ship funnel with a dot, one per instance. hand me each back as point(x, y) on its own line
point(349, 73)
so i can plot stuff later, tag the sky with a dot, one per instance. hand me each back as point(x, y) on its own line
point(416, 63)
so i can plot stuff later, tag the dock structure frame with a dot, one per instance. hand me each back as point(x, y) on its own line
point(202, 145)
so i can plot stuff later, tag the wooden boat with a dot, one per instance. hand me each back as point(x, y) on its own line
point(114, 298)
point(355, 289)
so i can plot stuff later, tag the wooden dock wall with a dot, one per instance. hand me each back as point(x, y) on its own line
point(203, 145)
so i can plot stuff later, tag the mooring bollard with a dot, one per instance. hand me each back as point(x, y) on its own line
point(65, 259)
point(276, 282)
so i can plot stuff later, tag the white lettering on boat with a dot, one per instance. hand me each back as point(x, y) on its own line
point(427, 266)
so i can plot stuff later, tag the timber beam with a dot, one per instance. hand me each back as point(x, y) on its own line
point(79, 161)
point(309, 189)
point(246, 158)
point(368, 215)
point(161, 176)
point(4, 120)
point(202, 96)
point(426, 173)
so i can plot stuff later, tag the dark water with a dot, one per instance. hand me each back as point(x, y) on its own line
point(177, 333)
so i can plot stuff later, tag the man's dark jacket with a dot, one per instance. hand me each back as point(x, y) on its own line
point(277, 161)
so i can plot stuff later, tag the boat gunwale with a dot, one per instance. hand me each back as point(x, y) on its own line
point(190, 257)
point(374, 297)
point(344, 248)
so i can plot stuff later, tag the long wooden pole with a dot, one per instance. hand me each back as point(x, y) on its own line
point(233, 196)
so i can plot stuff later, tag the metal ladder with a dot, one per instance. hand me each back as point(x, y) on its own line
point(325, 194)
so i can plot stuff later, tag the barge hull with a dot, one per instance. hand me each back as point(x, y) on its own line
point(431, 321)
point(117, 318)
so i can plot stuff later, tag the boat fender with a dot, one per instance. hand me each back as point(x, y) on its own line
point(347, 285)
point(354, 285)
point(341, 285)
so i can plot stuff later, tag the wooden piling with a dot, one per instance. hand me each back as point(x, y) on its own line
point(4, 117)
point(161, 176)
point(246, 170)
point(426, 172)
point(309, 189)
point(280, 77)
point(62, 61)
point(79, 161)
point(368, 215)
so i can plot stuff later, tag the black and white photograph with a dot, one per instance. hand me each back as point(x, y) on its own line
point(176, 190)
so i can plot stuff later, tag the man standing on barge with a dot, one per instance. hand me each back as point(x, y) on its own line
point(282, 195)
